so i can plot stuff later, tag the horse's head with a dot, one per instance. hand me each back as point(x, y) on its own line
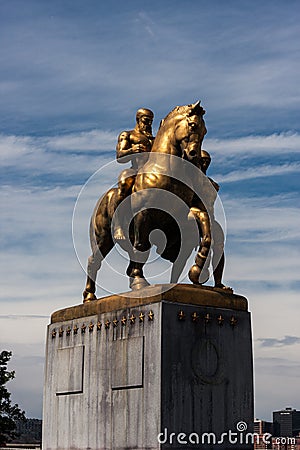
point(181, 133)
point(190, 131)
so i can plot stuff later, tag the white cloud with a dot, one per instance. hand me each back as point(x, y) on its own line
point(276, 385)
point(35, 157)
point(87, 72)
point(258, 172)
point(96, 140)
point(277, 143)
point(263, 219)
point(64, 155)
point(12, 147)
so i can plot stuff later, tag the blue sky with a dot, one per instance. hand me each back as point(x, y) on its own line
point(72, 76)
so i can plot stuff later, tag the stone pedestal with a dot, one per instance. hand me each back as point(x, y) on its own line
point(169, 369)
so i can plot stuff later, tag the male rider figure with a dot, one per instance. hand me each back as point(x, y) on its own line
point(218, 258)
point(130, 144)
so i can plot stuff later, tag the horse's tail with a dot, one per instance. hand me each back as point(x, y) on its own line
point(100, 223)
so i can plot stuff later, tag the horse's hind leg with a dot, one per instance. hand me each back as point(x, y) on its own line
point(94, 264)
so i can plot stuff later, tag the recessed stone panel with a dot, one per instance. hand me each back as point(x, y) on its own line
point(70, 365)
point(127, 363)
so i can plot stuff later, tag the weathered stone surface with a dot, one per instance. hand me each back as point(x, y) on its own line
point(69, 370)
point(206, 372)
point(182, 293)
point(178, 361)
point(127, 373)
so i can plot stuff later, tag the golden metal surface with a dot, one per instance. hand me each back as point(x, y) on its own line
point(177, 293)
point(207, 318)
point(181, 315)
point(132, 319)
point(136, 141)
point(151, 315)
point(123, 321)
point(220, 320)
point(195, 317)
point(233, 321)
point(218, 258)
point(141, 317)
point(115, 322)
point(180, 135)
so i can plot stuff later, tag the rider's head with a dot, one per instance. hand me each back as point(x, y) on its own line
point(205, 160)
point(144, 119)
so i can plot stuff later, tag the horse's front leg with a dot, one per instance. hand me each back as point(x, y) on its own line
point(202, 218)
point(101, 246)
point(94, 264)
point(140, 251)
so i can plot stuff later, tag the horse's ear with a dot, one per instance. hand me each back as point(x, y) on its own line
point(196, 109)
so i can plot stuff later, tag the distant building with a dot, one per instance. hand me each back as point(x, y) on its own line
point(29, 431)
point(261, 428)
point(286, 423)
point(21, 447)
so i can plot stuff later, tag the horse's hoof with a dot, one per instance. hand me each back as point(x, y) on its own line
point(137, 283)
point(194, 274)
point(119, 235)
point(88, 296)
point(224, 288)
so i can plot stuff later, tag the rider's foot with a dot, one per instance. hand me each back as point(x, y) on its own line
point(119, 235)
point(225, 288)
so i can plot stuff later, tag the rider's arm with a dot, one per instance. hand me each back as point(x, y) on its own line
point(124, 149)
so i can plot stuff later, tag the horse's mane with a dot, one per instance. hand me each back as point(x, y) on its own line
point(178, 110)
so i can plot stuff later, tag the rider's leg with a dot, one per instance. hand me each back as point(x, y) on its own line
point(125, 185)
point(140, 251)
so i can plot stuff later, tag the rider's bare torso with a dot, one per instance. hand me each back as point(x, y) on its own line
point(133, 143)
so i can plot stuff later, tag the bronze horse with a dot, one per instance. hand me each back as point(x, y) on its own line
point(166, 174)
